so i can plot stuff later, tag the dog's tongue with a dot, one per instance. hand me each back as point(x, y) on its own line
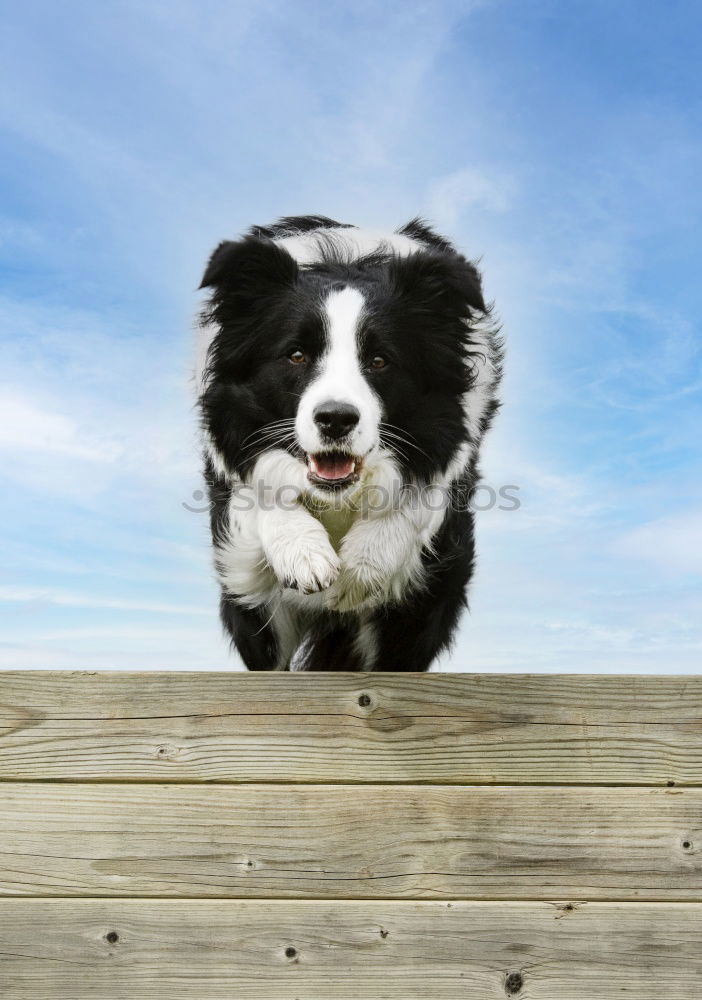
point(332, 466)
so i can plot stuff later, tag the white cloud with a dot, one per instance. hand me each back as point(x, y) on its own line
point(205, 652)
point(126, 633)
point(95, 409)
point(470, 188)
point(26, 426)
point(65, 598)
point(673, 544)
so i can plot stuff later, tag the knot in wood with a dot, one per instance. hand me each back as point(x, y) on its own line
point(513, 983)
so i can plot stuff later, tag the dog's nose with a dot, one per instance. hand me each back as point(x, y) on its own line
point(336, 420)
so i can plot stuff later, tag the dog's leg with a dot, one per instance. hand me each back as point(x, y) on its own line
point(382, 554)
point(251, 632)
point(295, 544)
point(271, 540)
point(410, 634)
point(298, 550)
point(380, 557)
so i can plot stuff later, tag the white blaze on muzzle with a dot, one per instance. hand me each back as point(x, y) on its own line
point(340, 382)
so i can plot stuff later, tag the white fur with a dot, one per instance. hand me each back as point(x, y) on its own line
point(215, 456)
point(476, 401)
point(299, 657)
point(381, 553)
point(280, 553)
point(273, 542)
point(240, 561)
point(340, 379)
point(366, 644)
point(308, 248)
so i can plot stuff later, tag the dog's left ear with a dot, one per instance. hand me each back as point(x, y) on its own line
point(440, 279)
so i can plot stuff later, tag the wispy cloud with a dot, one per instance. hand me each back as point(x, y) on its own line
point(27, 427)
point(43, 595)
point(569, 167)
point(671, 544)
point(470, 188)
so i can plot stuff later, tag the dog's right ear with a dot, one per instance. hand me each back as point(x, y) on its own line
point(242, 266)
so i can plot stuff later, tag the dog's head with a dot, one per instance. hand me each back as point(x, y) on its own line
point(341, 359)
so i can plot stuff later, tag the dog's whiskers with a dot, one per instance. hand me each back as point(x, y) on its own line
point(284, 442)
point(394, 433)
point(273, 426)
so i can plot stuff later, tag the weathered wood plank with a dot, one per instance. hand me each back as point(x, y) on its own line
point(113, 950)
point(439, 728)
point(421, 842)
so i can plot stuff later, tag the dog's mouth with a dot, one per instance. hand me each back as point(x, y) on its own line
point(333, 469)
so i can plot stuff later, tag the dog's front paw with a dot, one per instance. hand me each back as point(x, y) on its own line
point(355, 589)
point(306, 568)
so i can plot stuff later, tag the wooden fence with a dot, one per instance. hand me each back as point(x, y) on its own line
point(328, 836)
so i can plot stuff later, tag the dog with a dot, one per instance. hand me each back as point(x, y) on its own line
point(345, 380)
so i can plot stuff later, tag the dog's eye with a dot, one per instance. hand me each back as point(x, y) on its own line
point(377, 363)
point(297, 357)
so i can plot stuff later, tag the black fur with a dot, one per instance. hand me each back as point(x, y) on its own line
point(420, 311)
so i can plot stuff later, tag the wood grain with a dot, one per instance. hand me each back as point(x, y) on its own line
point(411, 842)
point(211, 950)
point(353, 728)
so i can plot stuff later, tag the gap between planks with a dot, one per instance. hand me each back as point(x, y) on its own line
point(320, 782)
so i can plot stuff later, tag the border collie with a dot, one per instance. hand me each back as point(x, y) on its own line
point(345, 380)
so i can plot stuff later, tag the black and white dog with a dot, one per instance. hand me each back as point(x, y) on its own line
point(345, 378)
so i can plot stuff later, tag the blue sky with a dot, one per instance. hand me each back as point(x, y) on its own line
point(560, 142)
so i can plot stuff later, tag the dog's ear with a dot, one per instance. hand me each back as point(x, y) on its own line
point(468, 282)
point(440, 280)
point(243, 266)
